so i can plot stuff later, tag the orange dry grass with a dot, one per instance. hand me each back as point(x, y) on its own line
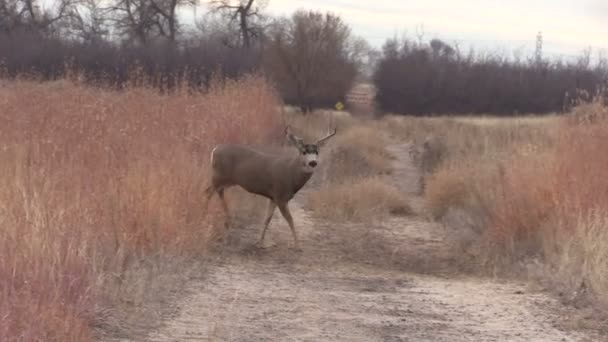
point(523, 205)
point(530, 189)
point(92, 179)
point(570, 180)
point(555, 205)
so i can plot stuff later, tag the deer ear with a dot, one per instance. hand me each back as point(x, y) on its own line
point(295, 141)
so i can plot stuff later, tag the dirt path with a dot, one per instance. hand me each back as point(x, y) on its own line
point(389, 281)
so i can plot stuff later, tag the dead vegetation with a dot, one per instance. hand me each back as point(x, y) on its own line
point(101, 190)
point(523, 192)
point(101, 194)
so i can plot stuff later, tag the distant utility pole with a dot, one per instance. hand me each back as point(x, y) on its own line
point(539, 47)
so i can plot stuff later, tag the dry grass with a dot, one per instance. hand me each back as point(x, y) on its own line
point(471, 162)
point(454, 139)
point(535, 189)
point(448, 189)
point(578, 256)
point(350, 183)
point(358, 152)
point(358, 200)
point(93, 181)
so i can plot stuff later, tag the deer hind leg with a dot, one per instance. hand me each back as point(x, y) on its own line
point(227, 222)
point(287, 215)
point(269, 212)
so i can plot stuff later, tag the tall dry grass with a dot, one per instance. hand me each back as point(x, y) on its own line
point(532, 190)
point(93, 181)
point(560, 207)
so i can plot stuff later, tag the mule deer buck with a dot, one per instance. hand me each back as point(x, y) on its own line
point(275, 177)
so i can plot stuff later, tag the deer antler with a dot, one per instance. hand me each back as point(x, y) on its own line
point(320, 141)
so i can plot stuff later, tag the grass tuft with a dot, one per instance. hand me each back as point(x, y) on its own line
point(360, 200)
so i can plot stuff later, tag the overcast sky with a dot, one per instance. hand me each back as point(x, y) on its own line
point(568, 26)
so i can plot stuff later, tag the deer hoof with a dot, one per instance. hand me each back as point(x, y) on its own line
point(261, 245)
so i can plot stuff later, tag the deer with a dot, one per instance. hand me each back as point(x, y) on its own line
point(275, 177)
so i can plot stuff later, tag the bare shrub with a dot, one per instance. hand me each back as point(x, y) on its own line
point(313, 59)
point(95, 180)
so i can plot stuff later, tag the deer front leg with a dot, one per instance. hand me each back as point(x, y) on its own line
point(269, 212)
point(287, 215)
point(227, 222)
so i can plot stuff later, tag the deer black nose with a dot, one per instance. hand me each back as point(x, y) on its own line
point(312, 163)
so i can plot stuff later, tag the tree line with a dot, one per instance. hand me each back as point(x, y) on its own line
point(435, 78)
point(312, 57)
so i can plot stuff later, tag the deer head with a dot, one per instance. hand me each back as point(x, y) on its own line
point(309, 153)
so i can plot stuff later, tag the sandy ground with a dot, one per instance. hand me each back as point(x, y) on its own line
point(388, 281)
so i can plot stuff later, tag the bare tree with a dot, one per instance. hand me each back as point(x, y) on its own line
point(166, 10)
point(216, 26)
point(313, 57)
point(245, 13)
point(144, 20)
point(28, 14)
point(89, 23)
point(135, 19)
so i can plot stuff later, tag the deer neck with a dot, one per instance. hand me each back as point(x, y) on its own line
point(299, 176)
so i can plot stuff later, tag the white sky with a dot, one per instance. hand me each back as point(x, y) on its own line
point(568, 26)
